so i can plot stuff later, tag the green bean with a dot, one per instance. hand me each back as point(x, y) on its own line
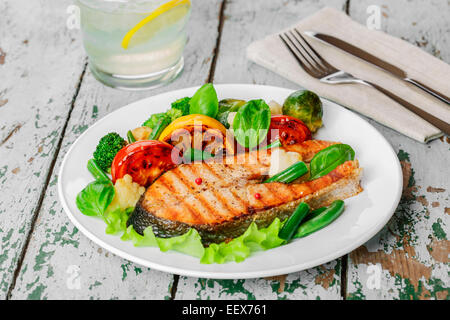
point(322, 220)
point(96, 171)
point(130, 137)
point(193, 155)
point(162, 123)
point(290, 174)
point(291, 225)
point(315, 213)
point(275, 144)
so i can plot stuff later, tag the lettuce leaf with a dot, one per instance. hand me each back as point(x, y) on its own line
point(188, 243)
point(116, 220)
point(237, 250)
point(240, 248)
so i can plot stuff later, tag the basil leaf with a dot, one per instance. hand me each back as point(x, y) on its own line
point(329, 158)
point(205, 101)
point(251, 123)
point(95, 198)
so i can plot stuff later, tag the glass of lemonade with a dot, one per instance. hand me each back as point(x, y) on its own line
point(134, 44)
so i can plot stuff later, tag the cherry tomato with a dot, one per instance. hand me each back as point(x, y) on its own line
point(288, 130)
point(144, 161)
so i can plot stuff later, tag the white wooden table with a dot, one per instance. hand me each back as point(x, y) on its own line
point(48, 97)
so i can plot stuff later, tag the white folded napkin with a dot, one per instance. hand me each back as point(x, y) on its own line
point(419, 65)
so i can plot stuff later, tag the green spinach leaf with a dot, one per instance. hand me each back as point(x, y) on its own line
point(251, 123)
point(95, 198)
point(329, 158)
point(205, 101)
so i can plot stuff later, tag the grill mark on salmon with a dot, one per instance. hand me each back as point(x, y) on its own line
point(298, 190)
point(208, 176)
point(210, 212)
point(171, 210)
point(230, 211)
point(182, 187)
point(186, 213)
point(204, 214)
point(187, 176)
point(290, 191)
point(224, 205)
point(233, 211)
point(278, 192)
point(193, 216)
point(268, 194)
point(157, 199)
point(243, 203)
point(201, 211)
point(212, 171)
point(210, 200)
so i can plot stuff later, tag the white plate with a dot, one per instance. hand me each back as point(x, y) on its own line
point(364, 216)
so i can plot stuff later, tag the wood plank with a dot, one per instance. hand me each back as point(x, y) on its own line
point(57, 248)
point(317, 283)
point(247, 21)
point(412, 250)
point(40, 67)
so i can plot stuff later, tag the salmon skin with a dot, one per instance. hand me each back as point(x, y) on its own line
point(224, 205)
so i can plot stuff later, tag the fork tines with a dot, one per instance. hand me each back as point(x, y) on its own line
point(310, 60)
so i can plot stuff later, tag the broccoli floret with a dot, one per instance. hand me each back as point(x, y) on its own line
point(107, 149)
point(182, 104)
point(179, 108)
point(174, 114)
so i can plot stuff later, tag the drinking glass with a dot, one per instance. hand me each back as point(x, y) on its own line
point(153, 55)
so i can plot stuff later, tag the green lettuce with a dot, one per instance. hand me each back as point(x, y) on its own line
point(116, 220)
point(237, 250)
point(188, 243)
point(240, 248)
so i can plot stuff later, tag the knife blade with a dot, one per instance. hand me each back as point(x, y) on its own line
point(373, 60)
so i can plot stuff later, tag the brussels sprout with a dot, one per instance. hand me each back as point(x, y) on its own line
point(226, 104)
point(306, 106)
point(225, 107)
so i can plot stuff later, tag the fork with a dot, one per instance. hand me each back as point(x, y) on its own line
point(317, 67)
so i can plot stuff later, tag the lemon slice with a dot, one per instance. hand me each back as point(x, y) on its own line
point(153, 15)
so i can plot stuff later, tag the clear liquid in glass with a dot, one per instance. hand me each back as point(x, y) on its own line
point(155, 53)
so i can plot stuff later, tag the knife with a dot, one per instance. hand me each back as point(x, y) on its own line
point(367, 57)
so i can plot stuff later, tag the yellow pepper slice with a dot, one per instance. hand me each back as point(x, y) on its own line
point(197, 120)
point(191, 120)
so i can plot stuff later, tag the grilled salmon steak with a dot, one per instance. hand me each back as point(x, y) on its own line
point(224, 204)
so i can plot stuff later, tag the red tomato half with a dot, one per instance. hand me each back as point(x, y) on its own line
point(288, 129)
point(144, 161)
